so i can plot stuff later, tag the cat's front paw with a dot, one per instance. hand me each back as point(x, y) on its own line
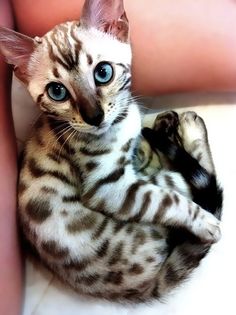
point(207, 228)
point(167, 123)
point(164, 130)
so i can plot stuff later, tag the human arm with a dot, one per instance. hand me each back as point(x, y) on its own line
point(10, 259)
point(178, 46)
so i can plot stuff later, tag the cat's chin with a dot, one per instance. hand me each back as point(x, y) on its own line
point(103, 128)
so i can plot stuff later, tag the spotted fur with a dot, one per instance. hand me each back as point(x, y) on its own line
point(96, 210)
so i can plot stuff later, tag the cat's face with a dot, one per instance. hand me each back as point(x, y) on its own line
point(80, 76)
point(80, 72)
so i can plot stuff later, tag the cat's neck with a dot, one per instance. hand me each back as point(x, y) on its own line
point(119, 132)
point(123, 129)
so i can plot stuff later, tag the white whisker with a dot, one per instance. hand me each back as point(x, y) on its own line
point(60, 133)
point(71, 131)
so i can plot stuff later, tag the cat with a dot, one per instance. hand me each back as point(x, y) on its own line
point(103, 216)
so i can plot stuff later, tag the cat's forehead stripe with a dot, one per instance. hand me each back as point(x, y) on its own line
point(74, 28)
point(54, 57)
point(60, 48)
point(56, 73)
point(64, 48)
point(89, 59)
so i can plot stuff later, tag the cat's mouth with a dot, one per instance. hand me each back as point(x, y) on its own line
point(93, 130)
point(102, 123)
point(102, 128)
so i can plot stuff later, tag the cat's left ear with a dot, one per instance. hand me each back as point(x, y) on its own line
point(17, 50)
point(108, 16)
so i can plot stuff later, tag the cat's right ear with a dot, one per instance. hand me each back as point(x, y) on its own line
point(107, 16)
point(17, 49)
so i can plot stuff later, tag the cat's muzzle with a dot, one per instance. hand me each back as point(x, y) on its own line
point(93, 117)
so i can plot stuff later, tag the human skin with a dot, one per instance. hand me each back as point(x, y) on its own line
point(10, 259)
point(183, 45)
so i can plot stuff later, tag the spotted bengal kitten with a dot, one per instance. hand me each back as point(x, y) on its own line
point(93, 205)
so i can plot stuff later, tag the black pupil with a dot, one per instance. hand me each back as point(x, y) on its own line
point(57, 90)
point(102, 72)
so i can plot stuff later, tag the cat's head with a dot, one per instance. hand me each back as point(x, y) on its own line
point(79, 71)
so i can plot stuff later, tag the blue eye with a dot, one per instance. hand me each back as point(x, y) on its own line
point(103, 73)
point(57, 92)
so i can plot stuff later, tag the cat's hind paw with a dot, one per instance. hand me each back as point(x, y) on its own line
point(192, 129)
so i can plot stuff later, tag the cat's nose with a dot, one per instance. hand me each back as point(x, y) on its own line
point(96, 119)
point(92, 116)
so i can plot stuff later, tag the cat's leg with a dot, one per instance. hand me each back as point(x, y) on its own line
point(147, 161)
point(162, 172)
point(207, 191)
point(96, 254)
point(193, 133)
point(180, 144)
point(127, 197)
point(91, 251)
point(204, 189)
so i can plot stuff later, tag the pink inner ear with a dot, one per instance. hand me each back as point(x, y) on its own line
point(15, 47)
point(106, 15)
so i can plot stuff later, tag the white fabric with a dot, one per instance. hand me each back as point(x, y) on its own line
point(211, 289)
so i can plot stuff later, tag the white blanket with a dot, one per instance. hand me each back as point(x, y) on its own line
point(211, 288)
